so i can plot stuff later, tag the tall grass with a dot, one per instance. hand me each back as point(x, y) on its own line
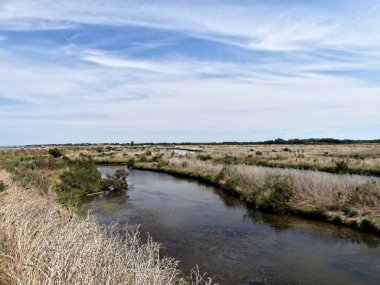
point(44, 243)
point(313, 188)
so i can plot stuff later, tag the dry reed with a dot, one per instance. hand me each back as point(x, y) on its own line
point(44, 243)
point(310, 187)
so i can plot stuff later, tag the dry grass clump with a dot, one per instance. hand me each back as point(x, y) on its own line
point(196, 165)
point(309, 185)
point(44, 243)
point(303, 188)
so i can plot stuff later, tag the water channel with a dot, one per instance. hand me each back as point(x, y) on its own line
point(203, 225)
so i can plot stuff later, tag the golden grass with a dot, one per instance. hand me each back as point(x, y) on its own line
point(339, 195)
point(43, 243)
point(365, 157)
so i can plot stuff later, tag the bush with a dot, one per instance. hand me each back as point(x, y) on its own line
point(44, 163)
point(259, 153)
point(30, 177)
point(71, 198)
point(341, 166)
point(184, 164)
point(81, 179)
point(230, 183)
point(281, 191)
point(222, 174)
point(55, 152)
point(116, 182)
point(204, 157)
point(157, 158)
point(227, 159)
point(367, 194)
point(131, 163)
point(61, 163)
point(2, 186)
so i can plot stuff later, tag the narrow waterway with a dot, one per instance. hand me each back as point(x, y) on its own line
point(202, 225)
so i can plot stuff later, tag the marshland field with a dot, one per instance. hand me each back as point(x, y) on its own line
point(60, 203)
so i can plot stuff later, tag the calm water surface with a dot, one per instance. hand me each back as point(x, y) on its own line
point(201, 225)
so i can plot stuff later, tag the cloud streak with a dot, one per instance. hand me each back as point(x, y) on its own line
point(177, 71)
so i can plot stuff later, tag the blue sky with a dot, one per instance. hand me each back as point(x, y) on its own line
point(154, 71)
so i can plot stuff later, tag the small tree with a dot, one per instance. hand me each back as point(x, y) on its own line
point(55, 152)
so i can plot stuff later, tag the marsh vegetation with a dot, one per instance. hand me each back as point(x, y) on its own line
point(292, 182)
point(44, 241)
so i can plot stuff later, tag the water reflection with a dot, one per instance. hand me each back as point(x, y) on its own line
point(282, 222)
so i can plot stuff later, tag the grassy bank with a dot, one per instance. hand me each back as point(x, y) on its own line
point(44, 242)
point(331, 198)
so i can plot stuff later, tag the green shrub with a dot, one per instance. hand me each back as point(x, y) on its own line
point(338, 202)
point(2, 186)
point(81, 175)
point(222, 174)
point(259, 153)
point(367, 194)
point(228, 159)
point(281, 190)
point(55, 152)
point(231, 183)
point(131, 163)
point(61, 163)
point(204, 157)
point(72, 197)
point(254, 196)
point(116, 182)
point(341, 166)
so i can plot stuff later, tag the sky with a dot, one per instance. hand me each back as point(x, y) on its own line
point(75, 71)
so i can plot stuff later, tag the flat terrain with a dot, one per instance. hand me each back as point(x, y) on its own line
point(296, 178)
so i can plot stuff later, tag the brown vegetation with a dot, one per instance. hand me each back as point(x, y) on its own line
point(44, 243)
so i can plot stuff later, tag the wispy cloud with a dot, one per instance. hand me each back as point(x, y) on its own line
point(169, 70)
point(259, 25)
point(118, 62)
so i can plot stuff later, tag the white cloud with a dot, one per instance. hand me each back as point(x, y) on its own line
point(158, 106)
point(117, 62)
point(84, 93)
point(256, 26)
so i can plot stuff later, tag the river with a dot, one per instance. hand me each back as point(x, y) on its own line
point(203, 225)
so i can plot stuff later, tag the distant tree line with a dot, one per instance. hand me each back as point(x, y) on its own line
point(280, 141)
